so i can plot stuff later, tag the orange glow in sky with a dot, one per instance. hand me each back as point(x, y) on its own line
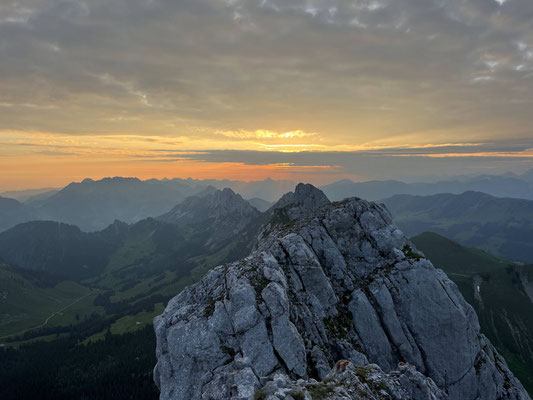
point(36, 159)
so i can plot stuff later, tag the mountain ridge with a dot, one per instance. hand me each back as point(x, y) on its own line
point(13, 212)
point(501, 226)
point(516, 186)
point(334, 281)
point(94, 204)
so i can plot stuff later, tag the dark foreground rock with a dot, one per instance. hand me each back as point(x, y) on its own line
point(346, 381)
point(327, 282)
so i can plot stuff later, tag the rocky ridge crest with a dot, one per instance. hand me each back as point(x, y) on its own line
point(327, 282)
point(219, 206)
point(220, 216)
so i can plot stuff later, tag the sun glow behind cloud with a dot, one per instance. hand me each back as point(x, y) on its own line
point(265, 134)
point(257, 86)
point(63, 158)
point(134, 146)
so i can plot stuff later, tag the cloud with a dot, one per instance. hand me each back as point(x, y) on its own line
point(262, 134)
point(147, 156)
point(274, 75)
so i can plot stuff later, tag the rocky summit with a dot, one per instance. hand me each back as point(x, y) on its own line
point(221, 207)
point(334, 303)
point(217, 217)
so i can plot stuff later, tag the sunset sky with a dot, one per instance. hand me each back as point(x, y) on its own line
point(288, 89)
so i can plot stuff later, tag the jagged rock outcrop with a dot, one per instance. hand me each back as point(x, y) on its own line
point(346, 381)
point(327, 282)
point(219, 215)
point(304, 199)
point(219, 206)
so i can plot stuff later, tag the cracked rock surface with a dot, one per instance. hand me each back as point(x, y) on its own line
point(346, 381)
point(327, 282)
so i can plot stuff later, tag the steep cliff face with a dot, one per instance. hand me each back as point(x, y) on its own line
point(327, 282)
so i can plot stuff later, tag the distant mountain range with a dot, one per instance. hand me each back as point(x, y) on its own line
point(260, 204)
point(30, 194)
point(509, 185)
point(501, 226)
point(269, 189)
point(499, 291)
point(93, 205)
point(497, 225)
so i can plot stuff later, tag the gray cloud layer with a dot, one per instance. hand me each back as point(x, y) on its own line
point(393, 163)
point(351, 69)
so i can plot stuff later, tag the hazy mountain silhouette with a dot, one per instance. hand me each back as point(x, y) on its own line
point(269, 189)
point(92, 205)
point(28, 195)
point(220, 217)
point(517, 186)
point(260, 204)
point(12, 212)
point(501, 226)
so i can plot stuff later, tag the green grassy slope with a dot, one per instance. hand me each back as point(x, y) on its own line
point(26, 303)
point(494, 288)
point(154, 262)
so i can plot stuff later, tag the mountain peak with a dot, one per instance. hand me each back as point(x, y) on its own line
point(342, 283)
point(304, 189)
point(222, 213)
point(304, 199)
point(226, 194)
point(226, 201)
point(209, 203)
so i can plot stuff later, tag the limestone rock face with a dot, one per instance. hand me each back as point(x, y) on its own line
point(305, 198)
point(328, 282)
point(346, 381)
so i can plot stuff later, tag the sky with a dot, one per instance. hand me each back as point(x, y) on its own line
point(315, 90)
